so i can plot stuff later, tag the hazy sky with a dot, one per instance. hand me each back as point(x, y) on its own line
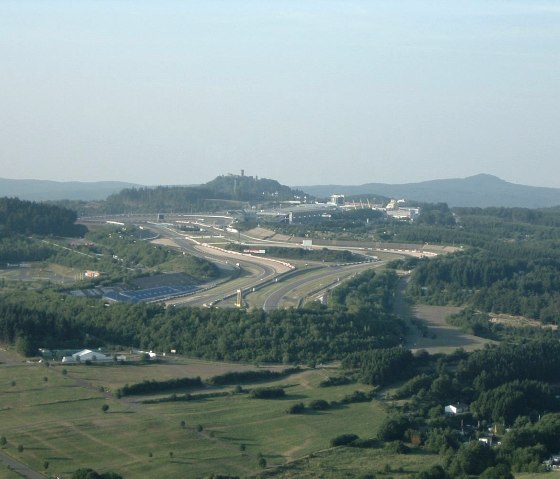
point(302, 91)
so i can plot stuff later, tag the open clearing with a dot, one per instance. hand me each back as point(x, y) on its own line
point(519, 321)
point(441, 337)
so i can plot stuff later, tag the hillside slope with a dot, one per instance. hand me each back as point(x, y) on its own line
point(477, 191)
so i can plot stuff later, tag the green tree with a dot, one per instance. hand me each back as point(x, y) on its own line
point(500, 471)
point(473, 459)
point(434, 472)
point(24, 346)
point(393, 427)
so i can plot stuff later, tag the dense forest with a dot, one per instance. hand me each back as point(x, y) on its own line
point(360, 319)
point(512, 266)
point(19, 217)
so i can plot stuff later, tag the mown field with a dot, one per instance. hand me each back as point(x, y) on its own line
point(58, 418)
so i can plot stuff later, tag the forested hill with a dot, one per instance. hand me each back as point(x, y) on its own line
point(231, 188)
point(478, 191)
point(28, 218)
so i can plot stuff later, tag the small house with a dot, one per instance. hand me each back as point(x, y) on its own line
point(454, 409)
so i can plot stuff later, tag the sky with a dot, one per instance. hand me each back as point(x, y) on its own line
point(302, 91)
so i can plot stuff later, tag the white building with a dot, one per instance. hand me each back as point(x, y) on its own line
point(453, 409)
point(86, 355)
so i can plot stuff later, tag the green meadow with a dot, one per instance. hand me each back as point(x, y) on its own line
point(57, 417)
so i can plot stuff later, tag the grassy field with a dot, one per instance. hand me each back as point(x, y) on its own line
point(356, 463)
point(441, 338)
point(58, 418)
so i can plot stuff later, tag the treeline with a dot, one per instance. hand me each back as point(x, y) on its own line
point(324, 405)
point(267, 393)
point(19, 217)
point(382, 366)
point(234, 377)
point(243, 377)
point(153, 386)
point(490, 367)
point(15, 249)
point(312, 334)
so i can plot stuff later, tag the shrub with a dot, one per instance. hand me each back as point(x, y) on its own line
point(366, 443)
point(358, 396)
point(240, 377)
point(298, 408)
point(397, 447)
point(319, 405)
point(343, 440)
point(267, 393)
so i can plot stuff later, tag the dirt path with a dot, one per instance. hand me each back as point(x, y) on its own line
point(290, 453)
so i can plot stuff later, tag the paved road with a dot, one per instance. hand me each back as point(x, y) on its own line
point(261, 269)
point(19, 467)
point(327, 275)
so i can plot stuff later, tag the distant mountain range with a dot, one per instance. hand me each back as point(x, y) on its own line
point(479, 190)
point(476, 191)
point(44, 190)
